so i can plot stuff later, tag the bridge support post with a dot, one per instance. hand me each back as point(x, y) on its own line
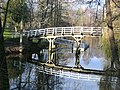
point(77, 54)
point(51, 50)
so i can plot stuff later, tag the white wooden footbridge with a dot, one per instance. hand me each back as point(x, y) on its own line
point(77, 32)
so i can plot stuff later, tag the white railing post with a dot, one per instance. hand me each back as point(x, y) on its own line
point(35, 33)
point(101, 31)
point(72, 31)
point(62, 33)
point(39, 31)
point(91, 33)
point(45, 34)
point(81, 30)
point(54, 31)
point(28, 34)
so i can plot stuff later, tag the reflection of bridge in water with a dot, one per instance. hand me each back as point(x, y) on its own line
point(51, 34)
point(68, 74)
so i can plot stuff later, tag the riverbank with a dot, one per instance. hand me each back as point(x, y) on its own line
point(12, 45)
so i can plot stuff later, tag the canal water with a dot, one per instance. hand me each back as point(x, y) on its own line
point(24, 75)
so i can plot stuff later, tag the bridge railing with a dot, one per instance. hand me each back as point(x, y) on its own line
point(61, 31)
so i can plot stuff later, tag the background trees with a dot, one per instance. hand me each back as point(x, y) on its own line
point(19, 13)
point(49, 13)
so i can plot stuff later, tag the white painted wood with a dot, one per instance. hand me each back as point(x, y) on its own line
point(64, 31)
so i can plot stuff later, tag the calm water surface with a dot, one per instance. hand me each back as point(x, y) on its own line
point(24, 75)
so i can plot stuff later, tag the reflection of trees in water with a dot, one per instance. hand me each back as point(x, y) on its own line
point(14, 68)
point(48, 82)
point(110, 83)
point(25, 76)
point(119, 49)
point(63, 54)
point(118, 84)
point(71, 84)
point(4, 81)
point(85, 57)
point(93, 50)
point(63, 58)
point(21, 74)
point(106, 84)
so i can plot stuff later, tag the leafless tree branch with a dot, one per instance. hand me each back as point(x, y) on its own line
point(116, 3)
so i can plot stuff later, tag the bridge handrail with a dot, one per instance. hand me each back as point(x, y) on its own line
point(60, 31)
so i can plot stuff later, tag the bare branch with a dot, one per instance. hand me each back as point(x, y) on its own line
point(115, 17)
point(116, 3)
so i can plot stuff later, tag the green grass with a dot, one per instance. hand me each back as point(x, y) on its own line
point(7, 34)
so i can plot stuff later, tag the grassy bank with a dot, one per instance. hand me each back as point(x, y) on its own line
point(10, 38)
point(7, 34)
point(11, 44)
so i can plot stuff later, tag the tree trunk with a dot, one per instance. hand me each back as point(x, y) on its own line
point(4, 81)
point(113, 46)
point(2, 50)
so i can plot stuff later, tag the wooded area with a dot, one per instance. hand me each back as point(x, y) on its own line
point(20, 15)
point(51, 13)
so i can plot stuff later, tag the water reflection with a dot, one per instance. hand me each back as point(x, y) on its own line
point(92, 58)
point(27, 76)
point(24, 75)
point(4, 81)
point(109, 83)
